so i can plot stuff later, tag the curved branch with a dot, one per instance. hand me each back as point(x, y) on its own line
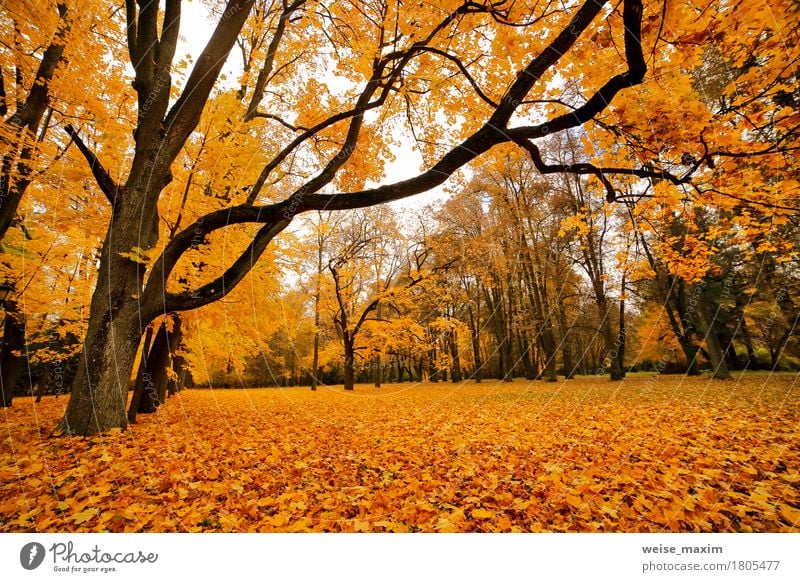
point(457, 62)
point(106, 183)
point(221, 286)
point(598, 171)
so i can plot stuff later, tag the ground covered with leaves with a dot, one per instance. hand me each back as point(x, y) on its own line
point(646, 454)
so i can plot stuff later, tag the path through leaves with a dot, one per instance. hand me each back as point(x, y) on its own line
point(647, 454)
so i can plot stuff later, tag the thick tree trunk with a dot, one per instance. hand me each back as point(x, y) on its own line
point(566, 348)
point(97, 403)
point(161, 377)
point(474, 332)
point(349, 364)
point(151, 379)
point(456, 356)
point(378, 372)
point(549, 373)
point(752, 361)
point(706, 325)
point(141, 380)
point(13, 346)
point(180, 371)
point(526, 356)
point(622, 336)
point(609, 337)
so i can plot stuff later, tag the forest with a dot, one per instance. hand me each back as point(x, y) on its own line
point(378, 215)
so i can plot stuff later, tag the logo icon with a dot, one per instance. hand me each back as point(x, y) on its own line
point(31, 555)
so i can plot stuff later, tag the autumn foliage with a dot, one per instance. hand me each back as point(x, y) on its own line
point(649, 454)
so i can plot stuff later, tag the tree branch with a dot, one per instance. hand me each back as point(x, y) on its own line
point(185, 113)
point(219, 287)
point(106, 183)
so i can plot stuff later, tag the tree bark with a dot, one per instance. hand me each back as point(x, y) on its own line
point(455, 354)
point(474, 332)
point(140, 381)
point(707, 328)
point(622, 336)
point(11, 360)
point(349, 363)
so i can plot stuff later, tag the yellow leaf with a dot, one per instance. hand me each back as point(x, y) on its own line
point(574, 501)
point(84, 515)
point(482, 513)
point(790, 514)
point(279, 519)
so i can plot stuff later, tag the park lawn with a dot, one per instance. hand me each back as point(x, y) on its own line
point(648, 454)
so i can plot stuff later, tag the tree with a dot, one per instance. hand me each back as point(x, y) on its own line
point(367, 259)
point(590, 225)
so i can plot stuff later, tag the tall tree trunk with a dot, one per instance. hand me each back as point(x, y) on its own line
point(161, 377)
point(315, 359)
point(378, 371)
point(116, 317)
point(566, 348)
point(11, 359)
point(752, 361)
point(157, 360)
point(525, 356)
point(707, 327)
point(474, 332)
point(622, 337)
point(349, 363)
point(609, 337)
point(140, 381)
point(455, 354)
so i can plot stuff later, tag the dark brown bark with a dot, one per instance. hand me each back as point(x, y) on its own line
point(566, 342)
point(13, 346)
point(623, 334)
point(474, 331)
point(141, 380)
point(349, 365)
point(162, 379)
point(455, 355)
point(706, 324)
point(157, 359)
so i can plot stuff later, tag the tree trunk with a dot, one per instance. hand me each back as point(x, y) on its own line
point(160, 375)
point(456, 356)
point(97, 403)
point(622, 335)
point(707, 325)
point(526, 356)
point(157, 359)
point(752, 360)
point(378, 372)
point(315, 360)
point(477, 373)
point(611, 344)
point(549, 374)
point(139, 382)
point(11, 360)
point(349, 363)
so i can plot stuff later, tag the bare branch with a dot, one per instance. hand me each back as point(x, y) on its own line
point(106, 183)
